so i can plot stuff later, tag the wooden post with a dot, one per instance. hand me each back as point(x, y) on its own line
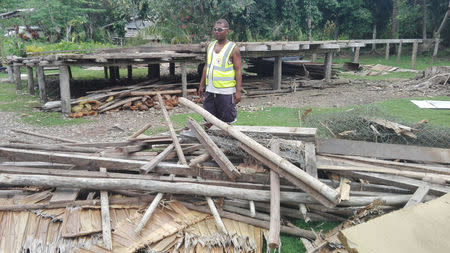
point(414, 54)
point(274, 230)
point(172, 69)
point(41, 83)
point(130, 72)
point(277, 73)
point(399, 51)
point(30, 80)
point(436, 48)
point(105, 71)
point(386, 56)
point(70, 72)
point(356, 55)
point(106, 220)
point(154, 71)
point(117, 72)
point(172, 131)
point(328, 63)
point(216, 215)
point(10, 73)
point(64, 86)
point(183, 79)
point(111, 73)
point(314, 57)
point(17, 77)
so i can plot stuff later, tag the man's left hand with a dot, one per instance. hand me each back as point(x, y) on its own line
point(237, 97)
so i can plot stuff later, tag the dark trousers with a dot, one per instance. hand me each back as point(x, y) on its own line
point(220, 105)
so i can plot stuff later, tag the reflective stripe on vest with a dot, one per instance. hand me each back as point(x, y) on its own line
point(223, 73)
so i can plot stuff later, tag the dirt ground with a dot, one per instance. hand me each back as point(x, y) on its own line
point(117, 126)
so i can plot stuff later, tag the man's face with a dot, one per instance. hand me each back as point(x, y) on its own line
point(220, 32)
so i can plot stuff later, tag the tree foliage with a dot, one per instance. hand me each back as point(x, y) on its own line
point(188, 21)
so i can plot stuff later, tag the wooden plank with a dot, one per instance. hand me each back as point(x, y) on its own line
point(220, 158)
point(106, 218)
point(64, 86)
point(383, 151)
point(310, 159)
point(301, 133)
point(64, 195)
point(423, 228)
point(418, 195)
point(398, 181)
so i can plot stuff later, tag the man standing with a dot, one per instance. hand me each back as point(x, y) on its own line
point(222, 75)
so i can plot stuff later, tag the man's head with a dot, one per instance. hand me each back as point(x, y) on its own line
point(221, 29)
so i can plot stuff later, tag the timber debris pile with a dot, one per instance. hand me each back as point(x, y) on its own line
point(227, 188)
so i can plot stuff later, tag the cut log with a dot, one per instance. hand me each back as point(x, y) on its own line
point(317, 189)
point(213, 149)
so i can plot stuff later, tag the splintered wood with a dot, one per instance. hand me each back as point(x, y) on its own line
point(53, 198)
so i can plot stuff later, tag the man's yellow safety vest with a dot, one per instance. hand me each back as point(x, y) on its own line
point(223, 72)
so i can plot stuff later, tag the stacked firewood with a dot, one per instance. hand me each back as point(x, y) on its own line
point(245, 177)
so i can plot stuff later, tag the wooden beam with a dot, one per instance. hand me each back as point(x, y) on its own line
point(418, 195)
point(277, 73)
point(176, 143)
point(64, 86)
point(298, 133)
point(30, 80)
point(213, 149)
point(106, 220)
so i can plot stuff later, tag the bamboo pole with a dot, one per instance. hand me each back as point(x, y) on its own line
point(215, 213)
point(45, 136)
point(106, 220)
point(172, 131)
point(274, 231)
point(315, 186)
point(148, 213)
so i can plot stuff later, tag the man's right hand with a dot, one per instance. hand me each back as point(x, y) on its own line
point(201, 91)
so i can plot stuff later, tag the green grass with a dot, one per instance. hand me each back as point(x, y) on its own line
point(23, 104)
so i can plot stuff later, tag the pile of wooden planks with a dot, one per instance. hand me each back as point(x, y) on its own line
point(258, 185)
point(140, 97)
